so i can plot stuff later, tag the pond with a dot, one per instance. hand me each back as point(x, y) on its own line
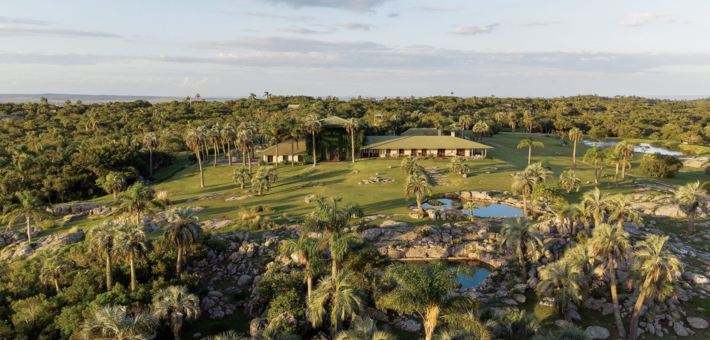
point(478, 272)
point(483, 210)
point(639, 148)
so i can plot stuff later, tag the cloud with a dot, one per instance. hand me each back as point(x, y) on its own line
point(71, 59)
point(393, 15)
point(473, 30)
point(298, 18)
point(640, 19)
point(539, 23)
point(438, 9)
point(351, 5)
point(23, 21)
point(356, 26)
point(293, 45)
point(303, 30)
point(9, 31)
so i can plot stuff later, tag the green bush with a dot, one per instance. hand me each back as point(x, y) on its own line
point(290, 302)
point(661, 166)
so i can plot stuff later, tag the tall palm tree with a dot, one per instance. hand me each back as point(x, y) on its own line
point(425, 290)
point(419, 186)
point(583, 213)
point(150, 140)
point(275, 131)
point(338, 294)
point(519, 236)
point(131, 243)
point(524, 182)
point(308, 251)
point(611, 244)
point(364, 328)
point(113, 183)
point(228, 135)
point(52, 270)
point(103, 239)
point(569, 181)
point(182, 232)
point(116, 323)
point(596, 155)
point(626, 149)
point(177, 305)
point(214, 136)
point(195, 140)
point(481, 128)
point(465, 122)
point(293, 132)
point(312, 125)
point(137, 200)
point(331, 218)
point(240, 176)
point(513, 325)
point(620, 210)
point(655, 264)
point(597, 203)
point(564, 283)
point(575, 135)
point(352, 126)
point(470, 206)
point(529, 143)
point(688, 198)
point(30, 207)
point(244, 141)
point(615, 158)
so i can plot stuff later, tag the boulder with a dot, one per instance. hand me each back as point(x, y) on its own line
point(393, 224)
point(679, 329)
point(244, 280)
point(696, 278)
point(697, 323)
point(310, 198)
point(408, 325)
point(668, 211)
point(594, 304)
point(574, 316)
point(520, 288)
point(597, 332)
point(607, 308)
point(371, 234)
point(239, 198)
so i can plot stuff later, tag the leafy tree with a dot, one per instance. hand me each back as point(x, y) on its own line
point(30, 207)
point(339, 296)
point(417, 185)
point(519, 236)
point(131, 242)
point(611, 244)
point(177, 305)
point(53, 270)
point(150, 140)
point(312, 125)
point(529, 143)
point(116, 323)
point(182, 232)
point(575, 135)
point(103, 239)
point(113, 183)
point(426, 290)
point(564, 283)
point(569, 181)
point(364, 328)
point(689, 198)
point(661, 166)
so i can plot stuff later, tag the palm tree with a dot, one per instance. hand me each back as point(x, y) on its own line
point(569, 181)
point(240, 176)
point(513, 325)
point(293, 132)
point(30, 208)
point(52, 270)
point(480, 128)
point(465, 122)
point(245, 139)
point(260, 183)
point(655, 264)
point(103, 239)
point(519, 237)
point(195, 140)
point(308, 251)
point(597, 204)
point(620, 210)
point(688, 198)
point(564, 283)
point(352, 126)
point(182, 232)
point(583, 213)
point(228, 335)
point(626, 149)
point(331, 218)
point(214, 136)
point(470, 206)
point(611, 244)
point(567, 332)
point(339, 295)
point(131, 242)
point(138, 199)
point(596, 155)
point(150, 140)
point(115, 323)
point(425, 290)
point(418, 185)
point(575, 135)
point(615, 158)
point(458, 167)
point(176, 304)
point(228, 136)
point(529, 143)
point(524, 182)
point(274, 132)
point(364, 328)
point(410, 165)
point(313, 125)
point(113, 183)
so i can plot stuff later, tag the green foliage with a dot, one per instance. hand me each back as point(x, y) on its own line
point(291, 302)
point(661, 166)
point(272, 285)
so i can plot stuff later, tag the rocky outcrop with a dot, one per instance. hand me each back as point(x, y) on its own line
point(74, 208)
point(597, 332)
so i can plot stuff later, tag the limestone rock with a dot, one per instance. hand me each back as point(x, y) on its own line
point(393, 224)
point(597, 332)
point(244, 280)
point(697, 323)
point(679, 329)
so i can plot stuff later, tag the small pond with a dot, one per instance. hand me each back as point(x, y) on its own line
point(483, 210)
point(479, 272)
point(639, 148)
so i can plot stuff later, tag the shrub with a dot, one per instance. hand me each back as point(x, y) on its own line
point(290, 302)
point(707, 170)
point(661, 166)
point(434, 202)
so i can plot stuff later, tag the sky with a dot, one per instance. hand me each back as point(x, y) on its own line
point(373, 48)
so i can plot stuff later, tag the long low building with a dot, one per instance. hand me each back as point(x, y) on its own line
point(422, 146)
point(299, 152)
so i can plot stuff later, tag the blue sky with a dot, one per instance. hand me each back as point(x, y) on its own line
point(230, 48)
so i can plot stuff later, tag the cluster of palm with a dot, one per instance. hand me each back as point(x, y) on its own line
point(619, 156)
point(525, 181)
point(458, 166)
point(418, 183)
point(261, 181)
point(174, 304)
point(465, 122)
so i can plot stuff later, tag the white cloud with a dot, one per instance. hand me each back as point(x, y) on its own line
point(538, 23)
point(473, 30)
point(351, 5)
point(356, 26)
point(303, 30)
point(22, 21)
point(9, 31)
point(640, 19)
